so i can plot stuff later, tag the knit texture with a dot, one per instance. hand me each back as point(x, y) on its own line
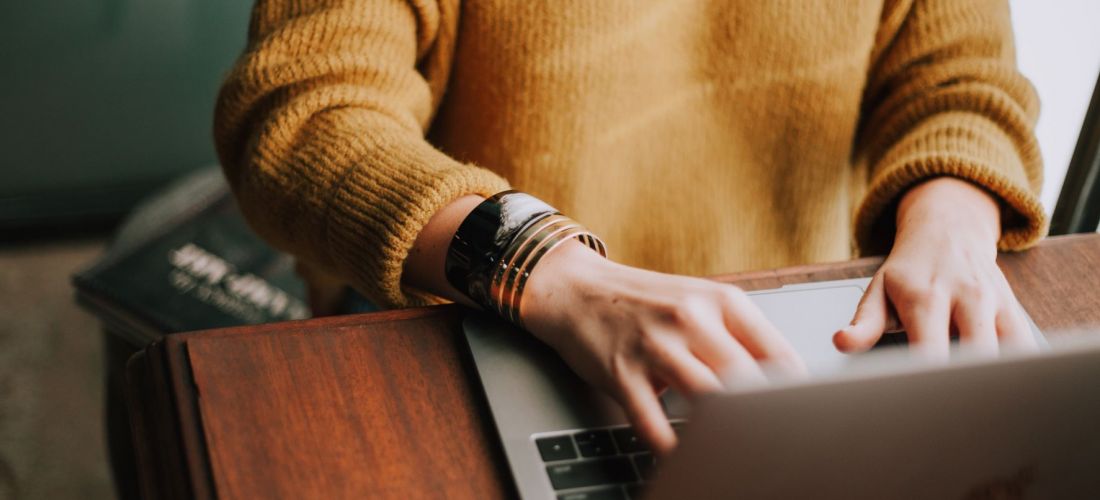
point(696, 137)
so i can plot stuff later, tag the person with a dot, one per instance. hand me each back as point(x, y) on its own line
point(692, 137)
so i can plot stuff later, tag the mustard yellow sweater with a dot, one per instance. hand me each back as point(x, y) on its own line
point(695, 136)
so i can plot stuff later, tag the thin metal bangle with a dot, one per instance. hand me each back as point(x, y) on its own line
point(548, 235)
point(578, 232)
point(513, 252)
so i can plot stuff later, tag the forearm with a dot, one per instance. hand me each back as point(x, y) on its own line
point(324, 147)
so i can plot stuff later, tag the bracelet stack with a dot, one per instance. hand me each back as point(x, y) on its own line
point(499, 244)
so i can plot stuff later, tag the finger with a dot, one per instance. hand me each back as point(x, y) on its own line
point(685, 372)
point(1013, 329)
point(869, 321)
point(927, 322)
point(716, 347)
point(893, 324)
point(644, 410)
point(737, 368)
point(711, 342)
point(975, 318)
point(723, 351)
point(756, 337)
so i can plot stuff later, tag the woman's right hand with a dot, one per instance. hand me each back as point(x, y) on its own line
point(633, 332)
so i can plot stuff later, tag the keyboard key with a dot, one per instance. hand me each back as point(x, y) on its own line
point(605, 471)
point(646, 464)
point(610, 494)
point(628, 440)
point(556, 448)
point(594, 443)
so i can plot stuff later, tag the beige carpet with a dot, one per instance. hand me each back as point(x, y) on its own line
point(52, 442)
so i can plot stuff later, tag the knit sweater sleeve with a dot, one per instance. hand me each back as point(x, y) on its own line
point(944, 98)
point(320, 129)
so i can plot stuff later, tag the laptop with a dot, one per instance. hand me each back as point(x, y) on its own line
point(876, 425)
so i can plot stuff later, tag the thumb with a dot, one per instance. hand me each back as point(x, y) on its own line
point(869, 322)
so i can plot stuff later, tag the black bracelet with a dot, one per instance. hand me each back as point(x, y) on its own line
point(483, 237)
point(500, 242)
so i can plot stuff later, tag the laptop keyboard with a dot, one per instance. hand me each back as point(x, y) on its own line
point(597, 464)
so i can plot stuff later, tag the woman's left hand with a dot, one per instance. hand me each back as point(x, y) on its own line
point(941, 278)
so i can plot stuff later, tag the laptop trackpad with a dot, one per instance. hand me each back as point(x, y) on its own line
point(809, 316)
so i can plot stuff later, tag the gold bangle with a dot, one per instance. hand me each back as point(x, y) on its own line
point(550, 234)
point(507, 259)
point(579, 233)
point(516, 254)
point(536, 253)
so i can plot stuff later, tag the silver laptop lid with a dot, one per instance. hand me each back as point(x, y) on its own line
point(1025, 426)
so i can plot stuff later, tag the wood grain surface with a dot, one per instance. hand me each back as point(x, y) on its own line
point(388, 405)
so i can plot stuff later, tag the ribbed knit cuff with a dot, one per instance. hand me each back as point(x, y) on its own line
point(962, 145)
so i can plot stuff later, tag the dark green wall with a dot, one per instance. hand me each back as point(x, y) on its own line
point(102, 100)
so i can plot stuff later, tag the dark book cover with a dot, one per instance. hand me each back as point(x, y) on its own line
point(188, 261)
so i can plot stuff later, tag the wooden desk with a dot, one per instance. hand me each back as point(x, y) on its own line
point(388, 405)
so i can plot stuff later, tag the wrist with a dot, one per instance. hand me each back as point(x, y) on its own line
point(561, 275)
point(948, 204)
